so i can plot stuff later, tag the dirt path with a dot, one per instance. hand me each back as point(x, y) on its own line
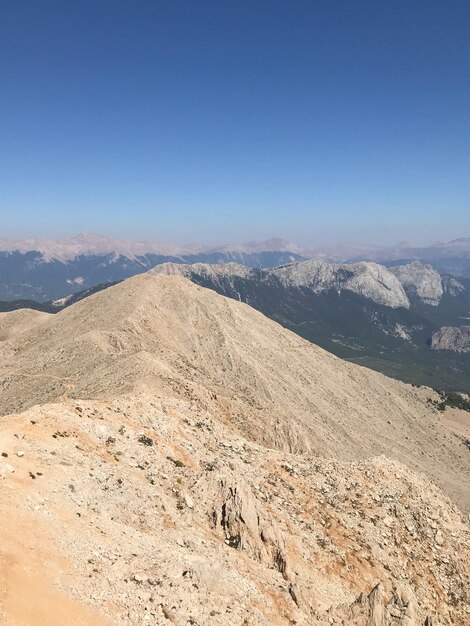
point(28, 569)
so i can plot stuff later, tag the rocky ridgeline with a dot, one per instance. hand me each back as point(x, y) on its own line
point(173, 337)
point(392, 287)
point(423, 281)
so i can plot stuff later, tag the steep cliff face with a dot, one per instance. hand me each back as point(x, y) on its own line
point(366, 279)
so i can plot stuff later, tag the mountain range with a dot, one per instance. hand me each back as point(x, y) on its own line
point(42, 270)
point(408, 321)
point(389, 319)
point(172, 456)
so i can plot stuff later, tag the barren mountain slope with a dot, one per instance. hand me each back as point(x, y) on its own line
point(166, 335)
point(152, 510)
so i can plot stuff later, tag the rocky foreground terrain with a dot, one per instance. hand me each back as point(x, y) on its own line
point(170, 456)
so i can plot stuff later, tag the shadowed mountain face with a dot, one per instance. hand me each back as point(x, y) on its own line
point(455, 338)
point(181, 456)
point(33, 275)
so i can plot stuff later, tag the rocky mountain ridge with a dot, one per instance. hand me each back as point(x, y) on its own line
point(165, 333)
point(44, 269)
point(392, 287)
point(351, 310)
point(164, 451)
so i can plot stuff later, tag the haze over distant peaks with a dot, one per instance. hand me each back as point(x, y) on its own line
point(96, 244)
point(50, 269)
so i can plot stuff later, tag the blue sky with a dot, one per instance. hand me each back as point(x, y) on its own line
point(210, 121)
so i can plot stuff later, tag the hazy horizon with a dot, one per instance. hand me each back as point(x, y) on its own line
point(273, 236)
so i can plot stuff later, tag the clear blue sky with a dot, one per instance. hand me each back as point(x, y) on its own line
point(232, 120)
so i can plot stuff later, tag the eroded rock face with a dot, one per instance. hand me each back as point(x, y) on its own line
point(245, 524)
point(456, 338)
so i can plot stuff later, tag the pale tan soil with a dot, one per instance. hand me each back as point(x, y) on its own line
point(14, 323)
point(231, 516)
point(28, 598)
point(31, 566)
point(456, 423)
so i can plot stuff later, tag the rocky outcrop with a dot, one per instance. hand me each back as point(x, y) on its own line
point(426, 283)
point(244, 523)
point(451, 285)
point(455, 338)
point(379, 609)
point(366, 279)
point(374, 610)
